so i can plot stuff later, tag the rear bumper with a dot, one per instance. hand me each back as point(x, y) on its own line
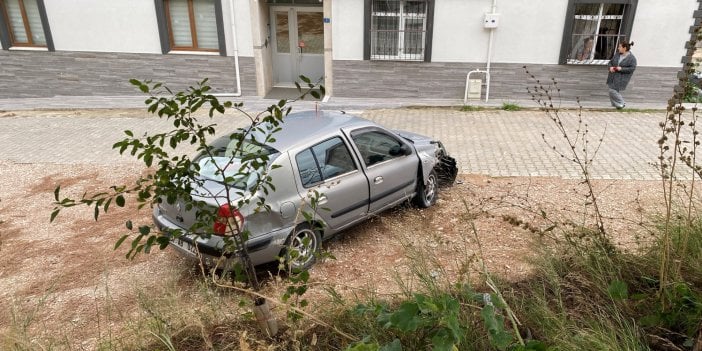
point(262, 248)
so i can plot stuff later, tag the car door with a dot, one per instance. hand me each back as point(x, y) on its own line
point(391, 173)
point(329, 168)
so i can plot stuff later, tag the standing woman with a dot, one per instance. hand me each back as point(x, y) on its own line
point(621, 67)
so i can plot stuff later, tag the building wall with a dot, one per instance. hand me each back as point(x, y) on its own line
point(660, 31)
point(129, 26)
point(509, 82)
point(347, 29)
point(103, 25)
point(95, 73)
point(530, 31)
point(100, 44)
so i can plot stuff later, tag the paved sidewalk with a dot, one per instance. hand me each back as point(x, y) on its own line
point(491, 142)
point(255, 103)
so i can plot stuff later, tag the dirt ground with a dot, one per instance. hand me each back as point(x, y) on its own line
point(54, 277)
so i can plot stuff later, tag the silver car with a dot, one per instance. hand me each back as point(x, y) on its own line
point(355, 167)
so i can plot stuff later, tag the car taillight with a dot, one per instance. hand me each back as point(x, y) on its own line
point(229, 221)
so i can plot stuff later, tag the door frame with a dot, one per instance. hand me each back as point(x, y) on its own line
point(295, 54)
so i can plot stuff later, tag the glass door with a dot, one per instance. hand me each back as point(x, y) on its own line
point(298, 44)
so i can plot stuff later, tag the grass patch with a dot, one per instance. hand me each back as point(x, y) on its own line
point(471, 108)
point(509, 106)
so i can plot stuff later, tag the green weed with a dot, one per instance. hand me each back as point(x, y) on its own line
point(471, 108)
point(509, 106)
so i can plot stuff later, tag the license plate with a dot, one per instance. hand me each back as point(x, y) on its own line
point(187, 246)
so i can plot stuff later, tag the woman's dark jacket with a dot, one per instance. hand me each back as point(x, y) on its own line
point(619, 80)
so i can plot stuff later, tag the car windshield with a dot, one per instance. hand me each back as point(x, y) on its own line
point(225, 161)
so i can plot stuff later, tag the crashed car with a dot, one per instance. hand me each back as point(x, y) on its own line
point(355, 167)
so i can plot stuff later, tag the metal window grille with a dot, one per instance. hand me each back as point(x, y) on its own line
point(597, 30)
point(398, 30)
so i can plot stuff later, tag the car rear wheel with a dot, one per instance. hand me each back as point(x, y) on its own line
point(302, 245)
point(427, 193)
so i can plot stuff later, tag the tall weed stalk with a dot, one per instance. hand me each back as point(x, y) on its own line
point(579, 149)
point(678, 146)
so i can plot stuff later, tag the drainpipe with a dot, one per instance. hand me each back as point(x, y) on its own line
point(236, 54)
point(489, 53)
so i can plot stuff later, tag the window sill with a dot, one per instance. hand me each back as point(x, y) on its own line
point(186, 52)
point(28, 48)
point(587, 62)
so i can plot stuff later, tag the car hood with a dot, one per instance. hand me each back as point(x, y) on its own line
point(416, 139)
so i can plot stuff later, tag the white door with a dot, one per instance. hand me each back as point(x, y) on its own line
point(298, 44)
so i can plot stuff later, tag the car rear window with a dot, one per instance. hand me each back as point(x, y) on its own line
point(225, 161)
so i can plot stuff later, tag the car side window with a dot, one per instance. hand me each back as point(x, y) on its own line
point(323, 161)
point(376, 147)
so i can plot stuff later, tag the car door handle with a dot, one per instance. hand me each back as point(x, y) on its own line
point(378, 180)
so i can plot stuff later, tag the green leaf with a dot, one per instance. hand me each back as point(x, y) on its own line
point(305, 79)
point(97, 212)
point(128, 224)
point(618, 290)
point(163, 242)
point(135, 82)
point(442, 341)
point(364, 346)
point(120, 241)
point(144, 230)
point(395, 345)
point(129, 133)
point(54, 214)
point(500, 338)
point(406, 318)
point(314, 94)
point(119, 200)
point(56, 192)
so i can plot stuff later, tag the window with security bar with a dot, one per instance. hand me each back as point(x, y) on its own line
point(398, 30)
point(596, 29)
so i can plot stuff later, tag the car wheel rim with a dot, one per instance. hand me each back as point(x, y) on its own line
point(430, 189)
point(304, 250)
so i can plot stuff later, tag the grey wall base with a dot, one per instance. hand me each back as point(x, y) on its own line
point(508, 81)
point(46, 74)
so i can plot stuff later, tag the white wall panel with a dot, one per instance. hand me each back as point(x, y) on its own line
point(242, 18)
point(528, 31)
point(347, 29)
point(660, 31)
point(104, 25)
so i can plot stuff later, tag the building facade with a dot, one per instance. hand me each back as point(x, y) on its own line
point(358, 48)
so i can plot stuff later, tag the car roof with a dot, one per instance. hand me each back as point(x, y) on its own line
point(302, 127)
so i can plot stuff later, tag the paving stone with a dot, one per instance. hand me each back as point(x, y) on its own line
point(496, 143)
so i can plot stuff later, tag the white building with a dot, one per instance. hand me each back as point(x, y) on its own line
point(360, 48)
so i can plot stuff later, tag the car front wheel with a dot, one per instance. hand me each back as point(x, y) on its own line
point(302, 245)
point(427, 193)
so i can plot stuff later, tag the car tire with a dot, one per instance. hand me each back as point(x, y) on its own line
point(301, 248)
point(427, 193)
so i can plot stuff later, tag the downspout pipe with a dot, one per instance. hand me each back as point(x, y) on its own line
point(236, 53)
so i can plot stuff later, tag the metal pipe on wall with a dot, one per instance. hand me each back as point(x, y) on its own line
point(235, 47)
point(489, 53)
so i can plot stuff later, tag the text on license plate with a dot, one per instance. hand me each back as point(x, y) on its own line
point(186, 245)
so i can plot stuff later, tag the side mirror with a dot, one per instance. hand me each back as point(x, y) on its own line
point(402, 150)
